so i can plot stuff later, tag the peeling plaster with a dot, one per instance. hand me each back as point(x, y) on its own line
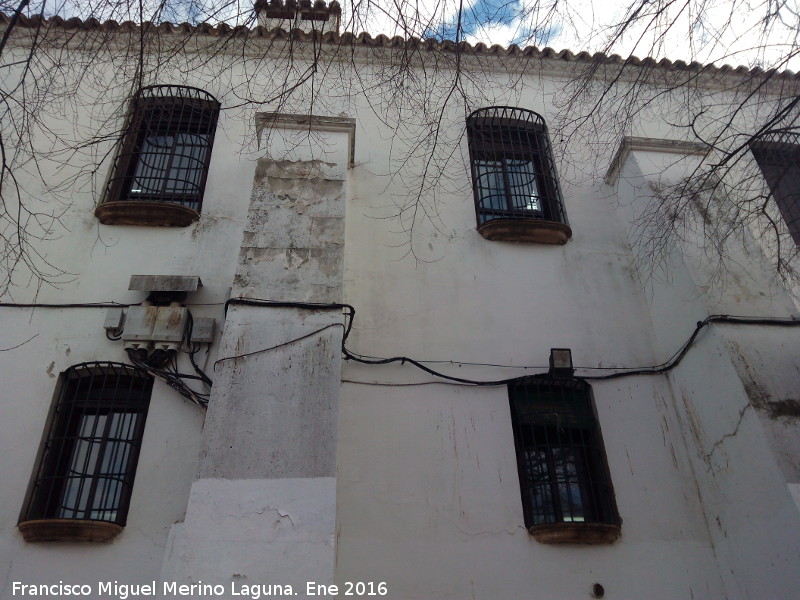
point(286, 169)
point(293, 243)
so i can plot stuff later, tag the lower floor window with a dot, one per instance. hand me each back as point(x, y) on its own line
point(88, 461)
point(562, 467)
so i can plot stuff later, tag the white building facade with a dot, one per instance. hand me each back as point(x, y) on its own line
point(376, 303)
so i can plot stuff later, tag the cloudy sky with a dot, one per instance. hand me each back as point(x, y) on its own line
point(737, 32)
point(753, 33)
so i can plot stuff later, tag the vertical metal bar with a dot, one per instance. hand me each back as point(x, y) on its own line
point(166, 149)
point(89, 458)
point(554, 419)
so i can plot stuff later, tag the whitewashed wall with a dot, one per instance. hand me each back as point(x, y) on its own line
point(426, 487)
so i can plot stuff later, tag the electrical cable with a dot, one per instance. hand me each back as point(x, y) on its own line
point(671, 363)
point(152, 362)
point(192, 350)
point(281, 345)
point(287, 304)
point(347, 354)
point(412, 384)
point(676, 358)
point(172, 378)
point(664, 367)
point(67, 305)
point(404, 359)
point(163, 364)
point(20, 344)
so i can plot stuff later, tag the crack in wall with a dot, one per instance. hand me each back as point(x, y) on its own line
point(727, 436)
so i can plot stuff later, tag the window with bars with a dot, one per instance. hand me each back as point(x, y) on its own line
point(563, 474)
point(166, 150)
point(779, 161)
point(88, 461)
point(513, 173)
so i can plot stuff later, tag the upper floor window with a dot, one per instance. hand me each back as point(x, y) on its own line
point(780, 163)
point(564, 479)
point(160, 170)
point(85, 475)
point(517, 196)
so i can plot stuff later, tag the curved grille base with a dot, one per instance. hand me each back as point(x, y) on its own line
point(575, 533)
point(131, 212)
point(68, 530)
point(525, 230)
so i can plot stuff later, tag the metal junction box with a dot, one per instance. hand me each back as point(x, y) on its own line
point(203, 330)
point(162, 326)
point(169, 327)
point(139, 323)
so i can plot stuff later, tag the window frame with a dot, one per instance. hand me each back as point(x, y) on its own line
point(551, 416)
point(498, 136)
point(83, 480)
point(176, 194)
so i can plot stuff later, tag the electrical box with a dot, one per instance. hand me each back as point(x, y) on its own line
point(161, 327)
point(203, 330)
point(169, 327)
point(139, 323)
point(114, 319)
point(160, 322)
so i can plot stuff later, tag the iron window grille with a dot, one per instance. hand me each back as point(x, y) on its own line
point(166, 150)
point(562, 467)
point(89, 458)
point(779, 161)
point(513, 172)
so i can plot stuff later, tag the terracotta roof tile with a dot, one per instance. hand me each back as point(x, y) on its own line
point(365, 39)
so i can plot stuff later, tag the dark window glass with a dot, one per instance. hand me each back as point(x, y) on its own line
point(92, 447)
point(780, 164)
point(167, 149)
point(512, 166)
point(560, 458)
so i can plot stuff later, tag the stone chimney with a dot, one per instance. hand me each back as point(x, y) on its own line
point(302, 15)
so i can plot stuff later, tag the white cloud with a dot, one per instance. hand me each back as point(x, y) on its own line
point(495, 34)
point(721, 31)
